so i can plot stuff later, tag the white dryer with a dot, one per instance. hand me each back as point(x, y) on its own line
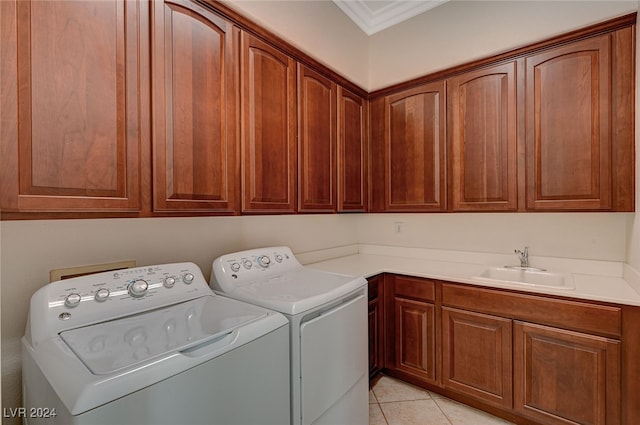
point(152, 345)
point(329, 319)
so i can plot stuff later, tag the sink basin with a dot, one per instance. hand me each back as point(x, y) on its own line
point(528, 276)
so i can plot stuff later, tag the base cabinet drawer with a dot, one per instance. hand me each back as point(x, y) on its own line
point(566, 377)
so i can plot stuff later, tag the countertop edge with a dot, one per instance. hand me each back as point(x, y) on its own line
point(602, 288)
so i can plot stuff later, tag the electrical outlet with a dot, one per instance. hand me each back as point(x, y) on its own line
point(398, 226)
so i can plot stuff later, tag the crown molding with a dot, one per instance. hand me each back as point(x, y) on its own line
point(375, 15)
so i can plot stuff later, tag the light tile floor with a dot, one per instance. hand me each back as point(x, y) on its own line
point(393, 402)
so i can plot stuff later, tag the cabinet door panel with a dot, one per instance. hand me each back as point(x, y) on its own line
point(352, 151)
point(483, 139)
point(415, 335)
point(316, 142)
point(375, 355)
point(415, 149)
point(268, 128)
point(195, 81)
point(565, 377)
point(568, 138)
point(476, 356)
point(78, 139)
point(376, 324)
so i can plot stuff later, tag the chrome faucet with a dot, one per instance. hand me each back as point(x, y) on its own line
point(523, 256)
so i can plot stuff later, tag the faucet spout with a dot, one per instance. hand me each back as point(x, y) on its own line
point(523, 256)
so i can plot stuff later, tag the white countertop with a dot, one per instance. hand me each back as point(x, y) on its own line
point(599, 281)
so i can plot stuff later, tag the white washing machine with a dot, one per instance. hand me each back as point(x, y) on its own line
point(329, 319)
point(152, 345)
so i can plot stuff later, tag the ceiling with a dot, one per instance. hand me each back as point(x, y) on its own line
point(375, 15)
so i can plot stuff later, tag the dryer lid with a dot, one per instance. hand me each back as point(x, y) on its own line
point(110, 346)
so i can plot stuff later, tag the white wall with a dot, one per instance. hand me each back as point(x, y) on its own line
point(590, 236)
point(461, 31)
point(318, 28)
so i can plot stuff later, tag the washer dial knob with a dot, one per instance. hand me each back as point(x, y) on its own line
point(72, 300)
point(263, 261)
point(235, 267)
point(188, 278)
point(169, 282)
point(279, 258)
point(102, 295)
point(138, 288)
point(247, 264)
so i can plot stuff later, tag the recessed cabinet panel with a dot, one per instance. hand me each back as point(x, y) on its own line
point(268, 128)
point(476, 355)
point(564, 377)
point(352, 151)
point(415, 336)
point(195, 141)
point(74, 141)
point(376, 324)
point(415, 149)
point(483, 139)
point(568, 138)
point(317, 142)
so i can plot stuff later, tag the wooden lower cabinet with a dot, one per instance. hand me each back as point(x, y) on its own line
point(529, 358)
point(566, 377)
point(376, 323)
point(415, 339)
point(410, 328)
point(476, 355)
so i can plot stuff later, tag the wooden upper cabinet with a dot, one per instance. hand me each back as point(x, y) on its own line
point(195, 83)
point(268, 128)
point(316, 142)
point(414, 149)
point(483, 139)
point(568, 133)
point(72, 118)
point(352, 151)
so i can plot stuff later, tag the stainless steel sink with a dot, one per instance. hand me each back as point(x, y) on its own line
point(528, 276)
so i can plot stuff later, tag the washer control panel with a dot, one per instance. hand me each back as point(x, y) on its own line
point(108, 295)
point(246, 266)
point(122, 285)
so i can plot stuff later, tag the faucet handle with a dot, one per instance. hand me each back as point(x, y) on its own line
point(523, 256)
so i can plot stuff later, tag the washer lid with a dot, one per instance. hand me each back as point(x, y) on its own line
point(297, 291)
point(110, 346)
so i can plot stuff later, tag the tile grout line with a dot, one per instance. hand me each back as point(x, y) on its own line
point(379, 407)
point(383, 415)
point(437, 399)
point(442, 411)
